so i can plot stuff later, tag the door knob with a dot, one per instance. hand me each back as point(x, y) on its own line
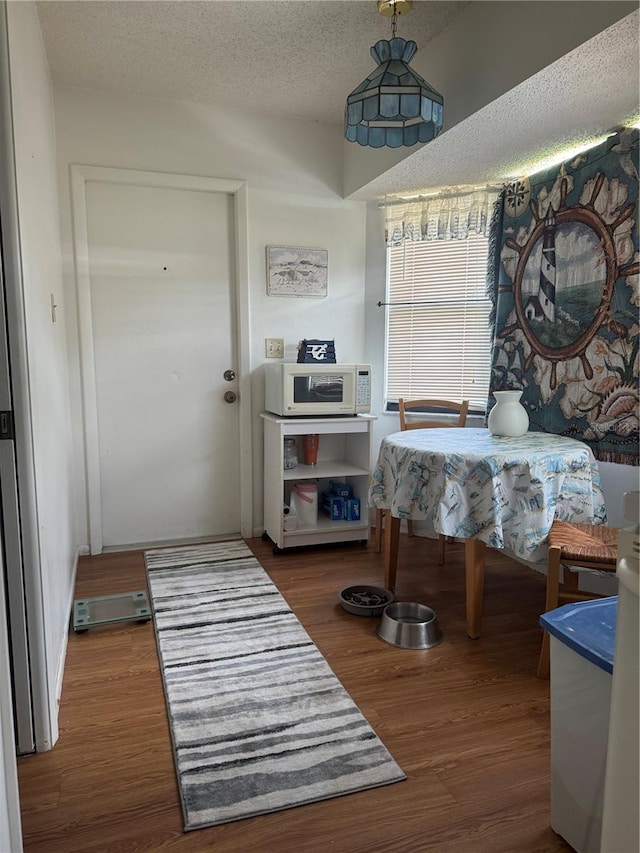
point(229, 375)
point(230, 396)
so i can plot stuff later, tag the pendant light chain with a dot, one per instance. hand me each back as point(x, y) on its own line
point(394, 21)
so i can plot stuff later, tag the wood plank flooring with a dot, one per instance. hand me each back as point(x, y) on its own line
point(468, 721)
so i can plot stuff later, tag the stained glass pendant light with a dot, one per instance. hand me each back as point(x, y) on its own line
point(394, 106)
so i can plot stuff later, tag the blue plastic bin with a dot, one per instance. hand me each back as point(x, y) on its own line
point(583, 638)
point(589, 628)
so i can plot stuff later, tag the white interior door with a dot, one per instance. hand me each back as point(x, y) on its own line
point(162, 314)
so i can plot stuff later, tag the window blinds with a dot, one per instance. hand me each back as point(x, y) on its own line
point(438, 337)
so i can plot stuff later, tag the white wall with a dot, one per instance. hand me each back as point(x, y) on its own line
point(616, 480)
point(293, 170)
point(37, 193)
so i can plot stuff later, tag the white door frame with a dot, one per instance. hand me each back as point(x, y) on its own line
point(37, 727)
point(80, 176)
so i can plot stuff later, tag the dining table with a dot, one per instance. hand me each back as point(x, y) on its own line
point(491, 491)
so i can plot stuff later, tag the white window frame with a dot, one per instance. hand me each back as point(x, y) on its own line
point(463, 389)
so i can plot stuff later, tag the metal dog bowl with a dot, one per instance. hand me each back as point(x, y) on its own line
point(409, 626)
point(364, 600)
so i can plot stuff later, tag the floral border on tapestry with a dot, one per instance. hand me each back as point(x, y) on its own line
point(567, 297)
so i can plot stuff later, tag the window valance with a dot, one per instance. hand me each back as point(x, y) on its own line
point(450, 214)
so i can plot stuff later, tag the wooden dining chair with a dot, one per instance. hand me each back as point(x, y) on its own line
point(592, 547)
point(425, 408)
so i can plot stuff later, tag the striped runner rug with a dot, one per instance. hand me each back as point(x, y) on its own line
point(259, 722)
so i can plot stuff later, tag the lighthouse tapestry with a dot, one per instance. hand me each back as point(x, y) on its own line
point(567, 294)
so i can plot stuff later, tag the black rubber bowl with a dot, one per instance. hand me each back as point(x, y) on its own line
point(365, 600)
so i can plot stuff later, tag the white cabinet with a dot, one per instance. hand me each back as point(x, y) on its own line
point(344, 453)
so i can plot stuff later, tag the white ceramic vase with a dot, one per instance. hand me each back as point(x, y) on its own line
point(508, 416)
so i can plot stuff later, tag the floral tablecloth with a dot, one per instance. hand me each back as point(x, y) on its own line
point(470, 484)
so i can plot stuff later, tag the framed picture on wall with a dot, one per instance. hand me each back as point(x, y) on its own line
point(296, 271)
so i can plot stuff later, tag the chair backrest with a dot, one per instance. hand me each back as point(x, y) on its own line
point(404, 406)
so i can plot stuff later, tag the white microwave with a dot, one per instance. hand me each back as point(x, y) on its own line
point(296, 390)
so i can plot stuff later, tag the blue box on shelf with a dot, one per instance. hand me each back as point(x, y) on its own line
point(332, 505)
point(352, 509)
point(343, 490)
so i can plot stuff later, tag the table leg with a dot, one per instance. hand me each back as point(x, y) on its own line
point(474, 551)
point(391, 541)
point(379, 529)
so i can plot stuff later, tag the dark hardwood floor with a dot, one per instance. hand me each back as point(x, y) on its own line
point(468, 721)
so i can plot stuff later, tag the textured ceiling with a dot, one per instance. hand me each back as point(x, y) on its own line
point(574, 100)
point(295, 58)
point(300, 58)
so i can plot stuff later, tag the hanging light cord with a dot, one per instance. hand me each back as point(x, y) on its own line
point(394, 21)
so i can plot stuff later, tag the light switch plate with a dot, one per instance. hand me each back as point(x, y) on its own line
point(274, 347)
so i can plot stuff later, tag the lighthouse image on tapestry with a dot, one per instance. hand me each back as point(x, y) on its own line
point(543, 304)
point(557, 296)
